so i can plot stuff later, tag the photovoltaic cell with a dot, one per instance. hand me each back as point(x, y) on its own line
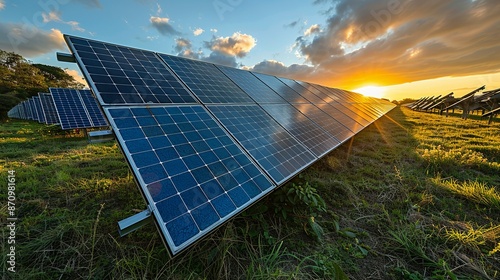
point(254, 87)
point(303, 129)
point(189, 169)
point(283, 90)
point(69, 109)
point(350, 113)
point(38, 106)
point(48, 108)
point(95, 114)
point(342, 118)
point(274, 149)
point(325, 121)
point(207, 82)
point(122, 75)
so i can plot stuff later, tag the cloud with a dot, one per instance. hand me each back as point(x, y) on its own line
point(182, 44)
point(312, 29)
point(198, 31)
point(56, 16)
point(221, 59)
point(237, 45)
point(214, 30)
point(52, 16)
point(76, 75)
point(293, 23)
point(163, 26)
point(2, 4)
point(273, 67)
point(397, 41)
point(29, 41)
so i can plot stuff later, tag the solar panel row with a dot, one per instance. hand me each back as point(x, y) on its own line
point(205, 141)
point(70, 108)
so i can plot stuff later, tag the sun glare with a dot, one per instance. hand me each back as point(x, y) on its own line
point(372, 91)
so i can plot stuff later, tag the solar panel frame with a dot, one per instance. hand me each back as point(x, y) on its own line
point(206, 81)
point(34, 113)
point(230, 169)
point(137, 76)
point(271, 146)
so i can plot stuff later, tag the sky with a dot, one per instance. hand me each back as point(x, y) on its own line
point(394, 49)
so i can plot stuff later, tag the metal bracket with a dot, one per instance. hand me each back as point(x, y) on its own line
point(134, 222)
point(65, 57)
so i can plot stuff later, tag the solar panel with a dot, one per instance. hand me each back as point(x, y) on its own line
point(190, 171)
point(38, 106)
point(344, 109)
point(34, 113)
point(94, 112)
point(311, 97)
point(69, 109)
point(207, 82)
point(325, 121)
point(122, 75)
point(283, 90)
point(254, 87)
point(48, 108)
point(303, 129)
point(273, 148)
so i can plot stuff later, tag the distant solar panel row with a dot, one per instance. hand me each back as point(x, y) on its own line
point(71, 108)
point(205, 141)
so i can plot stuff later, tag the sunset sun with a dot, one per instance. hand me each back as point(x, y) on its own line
point(372, 91)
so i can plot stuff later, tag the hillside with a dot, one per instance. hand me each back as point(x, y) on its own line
point(20, 79)
point(413, 196)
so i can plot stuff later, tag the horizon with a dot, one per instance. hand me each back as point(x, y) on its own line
point(393, 49)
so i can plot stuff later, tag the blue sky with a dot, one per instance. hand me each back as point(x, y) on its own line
point(409, 48)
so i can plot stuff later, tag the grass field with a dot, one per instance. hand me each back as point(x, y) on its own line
point(413, 196)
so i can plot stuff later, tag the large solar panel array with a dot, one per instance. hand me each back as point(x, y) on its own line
point(206, 141)
point(71, 108)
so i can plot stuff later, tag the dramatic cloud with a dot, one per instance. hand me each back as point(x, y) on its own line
point(29, 41)
point(236, 45)
point(222, 59)
point(198, 31)
point(163, 26)
point(397, 41)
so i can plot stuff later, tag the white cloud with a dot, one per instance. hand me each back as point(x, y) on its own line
point(163, 26)
point(52, 16)
point(56, 16)
point(2, 4)
point(237, 45)
point(198, 31)
point(312, 29)
point(158, 10)
point(213, 30)
point(29, 41)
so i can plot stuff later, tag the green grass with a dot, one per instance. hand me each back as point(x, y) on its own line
point(413, 196)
